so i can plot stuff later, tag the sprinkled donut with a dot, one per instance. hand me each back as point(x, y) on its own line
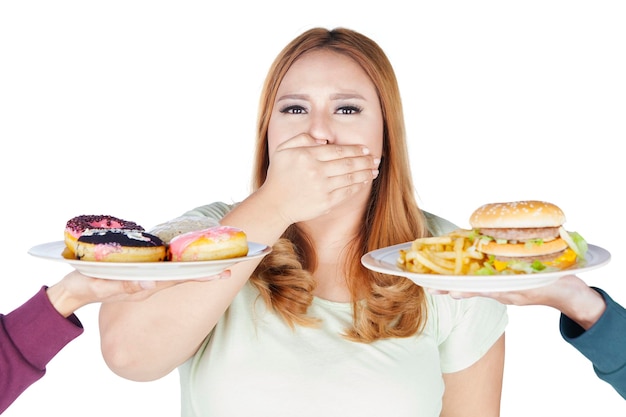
point(168, 230)
point(119, 245)
point(218, 242)
point(76, 226)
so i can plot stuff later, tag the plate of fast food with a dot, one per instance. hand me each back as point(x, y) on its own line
point(512, 246)
point(188, 247)
point(152, 271)
point(385, 260)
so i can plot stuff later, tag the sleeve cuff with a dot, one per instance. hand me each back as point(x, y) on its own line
point(39, 331)
point(603, 344)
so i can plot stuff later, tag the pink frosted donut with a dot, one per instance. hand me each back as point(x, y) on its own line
point(218, 242)
point(76, 226)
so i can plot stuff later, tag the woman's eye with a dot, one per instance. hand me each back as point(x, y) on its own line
point(349, 110)
point(294, 109)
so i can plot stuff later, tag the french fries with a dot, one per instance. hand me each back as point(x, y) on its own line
point(452, 254)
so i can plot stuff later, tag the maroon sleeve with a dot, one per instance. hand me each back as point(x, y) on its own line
point(30, 337)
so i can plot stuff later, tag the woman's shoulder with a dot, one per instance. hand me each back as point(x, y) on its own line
point(438, 225)
point(215, 210)
point(481, 314)
point(464, 329)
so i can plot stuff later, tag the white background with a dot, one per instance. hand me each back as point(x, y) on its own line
point(144, 110)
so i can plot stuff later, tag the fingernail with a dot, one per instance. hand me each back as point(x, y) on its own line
point(377, 161)
point(147, 285)
point(366, 151)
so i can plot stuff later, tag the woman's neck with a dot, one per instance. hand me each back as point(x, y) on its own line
point(332, 232)
point(331, 236)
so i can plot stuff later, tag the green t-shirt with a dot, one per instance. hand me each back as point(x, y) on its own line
point(253, 364)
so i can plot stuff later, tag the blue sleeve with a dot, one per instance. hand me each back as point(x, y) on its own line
point(604, 344)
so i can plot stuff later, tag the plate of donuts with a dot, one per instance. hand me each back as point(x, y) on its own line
point(146, 271)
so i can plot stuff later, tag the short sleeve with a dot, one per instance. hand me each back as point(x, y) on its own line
point(438, 226)
point(215, 210)
point(465, 329)
point(202, 217)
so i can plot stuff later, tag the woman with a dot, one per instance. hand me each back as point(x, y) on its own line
point(309, 331)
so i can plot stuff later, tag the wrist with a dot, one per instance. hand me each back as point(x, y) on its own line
point(586, 307)
point(258, 209)
point(274, 210)
point(62, 300)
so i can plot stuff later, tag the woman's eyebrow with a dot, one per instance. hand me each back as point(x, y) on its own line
point(344, 96)
point(337, 96)
point(292, 97)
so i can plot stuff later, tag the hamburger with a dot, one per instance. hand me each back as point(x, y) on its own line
point(525, 237)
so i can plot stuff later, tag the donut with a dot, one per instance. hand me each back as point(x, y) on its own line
point(119, 245)
point(76, 226)
point(217, 242)
point(168, 230)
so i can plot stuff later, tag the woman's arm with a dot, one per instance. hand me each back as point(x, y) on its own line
point(476, 391)
point(147, 340)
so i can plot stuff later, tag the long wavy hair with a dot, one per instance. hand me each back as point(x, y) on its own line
point(383, 305)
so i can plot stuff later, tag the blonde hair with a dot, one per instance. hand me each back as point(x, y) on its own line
point(383, 305)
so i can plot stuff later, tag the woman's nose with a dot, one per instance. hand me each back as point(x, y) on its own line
point(320, 127)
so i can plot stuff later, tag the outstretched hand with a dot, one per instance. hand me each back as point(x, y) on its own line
point(76, 290)
point(569, 294)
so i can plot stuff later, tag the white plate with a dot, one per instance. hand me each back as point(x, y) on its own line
point(153, 271)
point(384, 260)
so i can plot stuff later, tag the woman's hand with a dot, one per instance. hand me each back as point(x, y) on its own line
point(76, 290)
point(307, 177)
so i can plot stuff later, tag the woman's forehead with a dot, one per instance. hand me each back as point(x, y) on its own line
point(327, 68)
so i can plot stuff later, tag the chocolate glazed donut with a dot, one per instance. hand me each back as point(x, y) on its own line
point(76, 226)
point(119, 245)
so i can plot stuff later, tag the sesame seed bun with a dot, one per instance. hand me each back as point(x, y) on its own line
point(517, 214)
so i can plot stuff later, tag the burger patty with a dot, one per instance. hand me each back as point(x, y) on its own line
point(521, 234)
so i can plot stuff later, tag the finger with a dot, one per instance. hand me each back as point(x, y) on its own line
point(302, 140)
point(459, 295)
point(456, 295)
point(364, 164)
point(133, 287)
point(352, 179)
point(222, 275)
point(339, 152)
point(339, 195)
point(147, 285)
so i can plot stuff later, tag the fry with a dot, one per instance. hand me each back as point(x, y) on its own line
point(450, 254)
